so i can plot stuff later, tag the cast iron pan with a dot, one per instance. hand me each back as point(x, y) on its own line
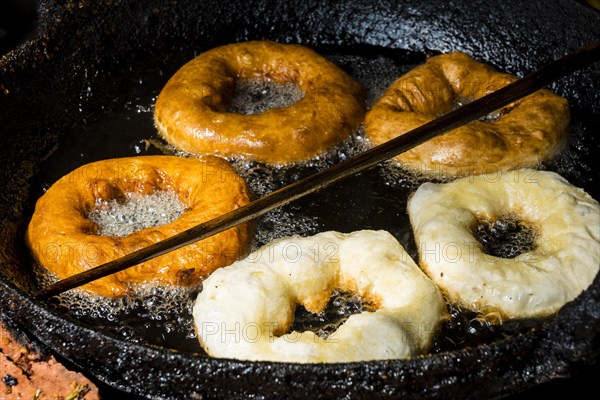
point(84, 56)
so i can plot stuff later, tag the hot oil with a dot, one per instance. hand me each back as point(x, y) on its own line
point(505, 237)
point(340, 307)
point(150, 315)
point(137, 212)
point(467, 329)
point(255, 96)
point(374, 199)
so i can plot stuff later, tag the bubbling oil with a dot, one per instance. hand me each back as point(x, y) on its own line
point(505, 237)
point(122, 218)
point(340, 307)
point(255, 96)
point(375, 199)
point(150, 314)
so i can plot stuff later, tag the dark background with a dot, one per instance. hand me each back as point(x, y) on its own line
point(18, 24)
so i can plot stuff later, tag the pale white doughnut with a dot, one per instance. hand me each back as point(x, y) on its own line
point(245, 310)
point(564, 262)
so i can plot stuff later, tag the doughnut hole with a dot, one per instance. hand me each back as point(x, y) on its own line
point(491, 117)
point(340, 307)
point(133, 212)
point(255, 96)
point(505, 237)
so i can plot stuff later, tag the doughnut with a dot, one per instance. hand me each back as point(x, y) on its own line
point(245, 310)
point(65, 241)
point(191, 110)
point(522, 134)
point(562, 262)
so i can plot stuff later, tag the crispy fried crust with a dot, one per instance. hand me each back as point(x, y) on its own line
point(527, 132)
point(64, 240)
point(191, 114)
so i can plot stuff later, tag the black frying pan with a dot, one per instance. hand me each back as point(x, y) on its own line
point(56, 91)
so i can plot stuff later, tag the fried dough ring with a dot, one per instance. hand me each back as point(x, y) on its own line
point(245, 310)
point(564, 262)
point(64, 241)
point(191, 110)
point(526, 132)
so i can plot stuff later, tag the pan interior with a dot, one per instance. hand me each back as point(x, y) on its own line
point(375, 199)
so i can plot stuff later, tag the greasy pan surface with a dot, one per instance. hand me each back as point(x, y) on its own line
point(72, 73)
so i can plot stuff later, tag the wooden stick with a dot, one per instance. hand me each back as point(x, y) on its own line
point(463, 115)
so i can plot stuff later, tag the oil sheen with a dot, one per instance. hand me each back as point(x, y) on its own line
point(374, 199)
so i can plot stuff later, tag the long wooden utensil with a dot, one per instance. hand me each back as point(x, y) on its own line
point(463, 115)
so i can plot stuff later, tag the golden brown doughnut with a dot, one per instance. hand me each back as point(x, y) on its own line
point(63, 239)
point(527, 131)
point(191, 110)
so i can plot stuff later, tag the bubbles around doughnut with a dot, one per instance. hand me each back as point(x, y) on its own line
point(563, 262)
point(191, 110)
point(65, 241)
point(245, 310)
point(522, 134)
